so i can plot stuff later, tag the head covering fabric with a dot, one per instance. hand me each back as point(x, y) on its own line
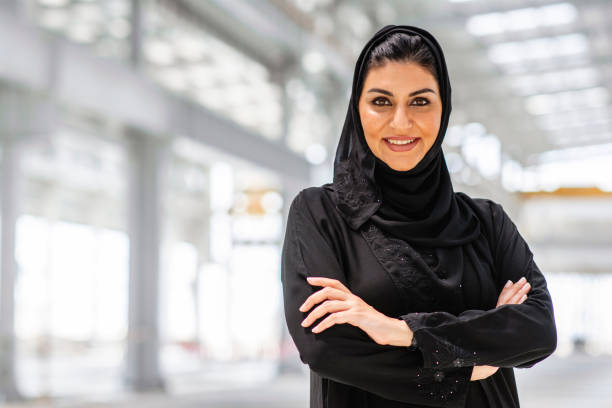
point(418, 205)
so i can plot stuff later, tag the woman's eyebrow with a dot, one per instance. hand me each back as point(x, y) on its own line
point(411, 94)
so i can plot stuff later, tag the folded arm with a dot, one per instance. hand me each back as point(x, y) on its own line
point(343, 352)
point(511, 335)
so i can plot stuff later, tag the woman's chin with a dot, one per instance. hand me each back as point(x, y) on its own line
point(399, 165)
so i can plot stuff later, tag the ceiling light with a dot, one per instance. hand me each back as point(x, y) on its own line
point(539, 48)
point(567, 101)
point(159, 52)
point(313, 62)
point(521, 19)
point(316, 154)
point(53, 3)
point(585, 77)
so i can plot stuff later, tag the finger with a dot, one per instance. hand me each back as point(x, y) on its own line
point(334, 318)
point(509, 290)
point(506, 293)
point(321, 281)
point(329, 306)
point(510, 293)
point(519, 283)
point(520, 293)
point(321, 295)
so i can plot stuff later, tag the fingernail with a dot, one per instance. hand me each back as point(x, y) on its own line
point(523, 279)
point(508, 284)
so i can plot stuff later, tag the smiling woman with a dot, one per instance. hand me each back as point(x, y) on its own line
point(398, 291)
point(401, 125)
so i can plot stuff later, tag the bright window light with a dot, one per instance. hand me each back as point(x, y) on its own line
point(54, 19)
point(583, 172)
point(567, 101)
point(316, 153)
point(159, 52)
point(577, 152)
point(53, 3)
point(521, 19)
point(555, 81)
point(454, 136)
point(574, 118)
point(482, 153)
point(454, 162)
point(556, 14)
point(539, 48)
point(203, 75)
point(485, 24)
point(586, 136)
point(512, 175)
point(313, 62)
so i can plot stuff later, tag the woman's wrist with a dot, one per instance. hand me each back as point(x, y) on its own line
point(401, 335)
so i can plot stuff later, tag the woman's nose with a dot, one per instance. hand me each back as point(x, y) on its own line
point(401, 119)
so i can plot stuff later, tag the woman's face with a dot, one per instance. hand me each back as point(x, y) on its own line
point(400, 101)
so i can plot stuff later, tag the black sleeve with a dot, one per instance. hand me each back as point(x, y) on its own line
point(343, 352)
point(512, 335)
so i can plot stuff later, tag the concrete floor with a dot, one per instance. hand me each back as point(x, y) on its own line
point(559, 382)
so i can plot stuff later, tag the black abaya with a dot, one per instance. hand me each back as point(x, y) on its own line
point(441, 271)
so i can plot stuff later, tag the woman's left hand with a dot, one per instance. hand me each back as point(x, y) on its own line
point(345, 307)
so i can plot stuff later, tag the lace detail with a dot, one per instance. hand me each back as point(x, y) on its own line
point(439, 385)
point(406, 268)
point(401, 262)
point(355, 197)
point(438, 353)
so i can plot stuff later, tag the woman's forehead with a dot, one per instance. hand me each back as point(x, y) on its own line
point(401, 77)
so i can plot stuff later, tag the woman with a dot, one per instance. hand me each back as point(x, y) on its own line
point(398, 291)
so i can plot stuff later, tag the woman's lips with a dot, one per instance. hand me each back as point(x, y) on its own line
point(402, 147)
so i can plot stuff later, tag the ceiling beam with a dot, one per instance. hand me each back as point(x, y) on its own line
point(71, 75)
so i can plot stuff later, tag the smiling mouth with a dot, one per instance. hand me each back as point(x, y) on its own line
point(398, 144)
point(401, 141)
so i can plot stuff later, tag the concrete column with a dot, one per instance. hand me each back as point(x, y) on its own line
point(136, 32)
point(147, 162)
point(9, 210)
point(23, 119)
point(202, 240)
point(280, 76)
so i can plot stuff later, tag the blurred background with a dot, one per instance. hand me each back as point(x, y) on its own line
point(149, 150)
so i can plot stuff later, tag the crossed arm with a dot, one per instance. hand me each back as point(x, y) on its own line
point(370, 352)
point(345, 307)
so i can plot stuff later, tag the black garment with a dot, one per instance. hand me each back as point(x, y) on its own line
point(423, 210)
point(350, 370)
point(424, 193)
point(372, 229)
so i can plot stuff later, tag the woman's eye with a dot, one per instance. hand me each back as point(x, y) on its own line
point(379, 99)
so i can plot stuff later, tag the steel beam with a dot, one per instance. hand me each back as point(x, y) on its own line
point(111, 89)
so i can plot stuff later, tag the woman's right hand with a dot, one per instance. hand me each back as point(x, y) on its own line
point(514, 293)
point(511, 294)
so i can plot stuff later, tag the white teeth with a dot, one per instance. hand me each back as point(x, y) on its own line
point(400, 142)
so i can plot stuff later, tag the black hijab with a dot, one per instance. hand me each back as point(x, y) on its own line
point(417, 205)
